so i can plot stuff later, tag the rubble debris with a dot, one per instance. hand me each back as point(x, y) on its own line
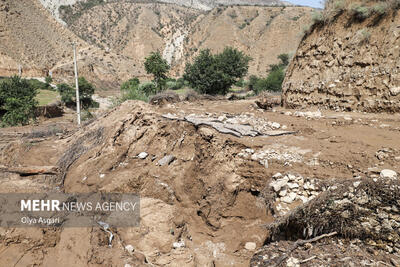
point(309, 114)
point(142, 155)
point(290, 188)
point(268, 102)
point(166, 160)
point(180, 244)
point(106, 228)
point(292, 262)
point(163, 98)
point(250, 246)
point(129, 248)
point(389, 174)
point(228, 126)
point(362, 209)
point(276, 152)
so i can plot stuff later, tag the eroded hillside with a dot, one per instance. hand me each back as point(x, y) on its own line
point(32, 39)
point(349, 60)
point(114, 38)
point(136, 29)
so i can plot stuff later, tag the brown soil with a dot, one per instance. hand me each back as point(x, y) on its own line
point(210, 197)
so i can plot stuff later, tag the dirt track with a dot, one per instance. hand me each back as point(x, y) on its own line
point(212, 197)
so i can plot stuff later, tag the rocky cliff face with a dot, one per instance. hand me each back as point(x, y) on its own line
point(348, 63)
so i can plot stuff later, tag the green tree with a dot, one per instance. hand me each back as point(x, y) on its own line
point(284, 59)
point(17, 101)
point(158, 67)
point(233, 63)
point(252, 81)
point(86, 90)
point(130, 84)
point(215, 74)
point(68, 94)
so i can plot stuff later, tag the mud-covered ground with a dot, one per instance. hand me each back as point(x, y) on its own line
point(210, 205)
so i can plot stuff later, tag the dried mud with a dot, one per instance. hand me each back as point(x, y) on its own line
point(211, 198)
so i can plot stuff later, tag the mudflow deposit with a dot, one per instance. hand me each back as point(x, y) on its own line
point(223, 182)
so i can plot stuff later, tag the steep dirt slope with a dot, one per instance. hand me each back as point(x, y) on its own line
point(261, 32)
point(30, 37)
point(348, 62)
point(135, 30)
point(54, 5)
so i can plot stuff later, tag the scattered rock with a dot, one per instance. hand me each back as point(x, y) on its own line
point(180, 244)
point(289, 198)
point(394, 91)
point(166, 160)
point(129, 248)
point(142, 155)
point(250, 246)
point(388, 174)
point(283, 193)
point(347, 118)
point(292, 262)
point(278, 184)
point(275, 125)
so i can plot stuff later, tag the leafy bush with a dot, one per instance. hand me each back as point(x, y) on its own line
point(86, 90)
point(380, 8)
point(86, 115)
point(274, 80)
point(176, 85)
point(48, 79)
point(359, 12)
point(130, 84)
point(252, 81)
point(215, 74)
point(133, 90)
point(159, 67)
point(39, 85)
point(339, 6)
point(240, 83)
point(17, 101)
point(364, 36)
point(284, 58)
point(317, 17)
point(149, 88)
point(67, 94)
point(134, 94)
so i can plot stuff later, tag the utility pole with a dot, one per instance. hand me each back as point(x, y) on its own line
point(78, 108)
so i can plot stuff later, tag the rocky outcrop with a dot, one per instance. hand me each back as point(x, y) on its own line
point(348, 64)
